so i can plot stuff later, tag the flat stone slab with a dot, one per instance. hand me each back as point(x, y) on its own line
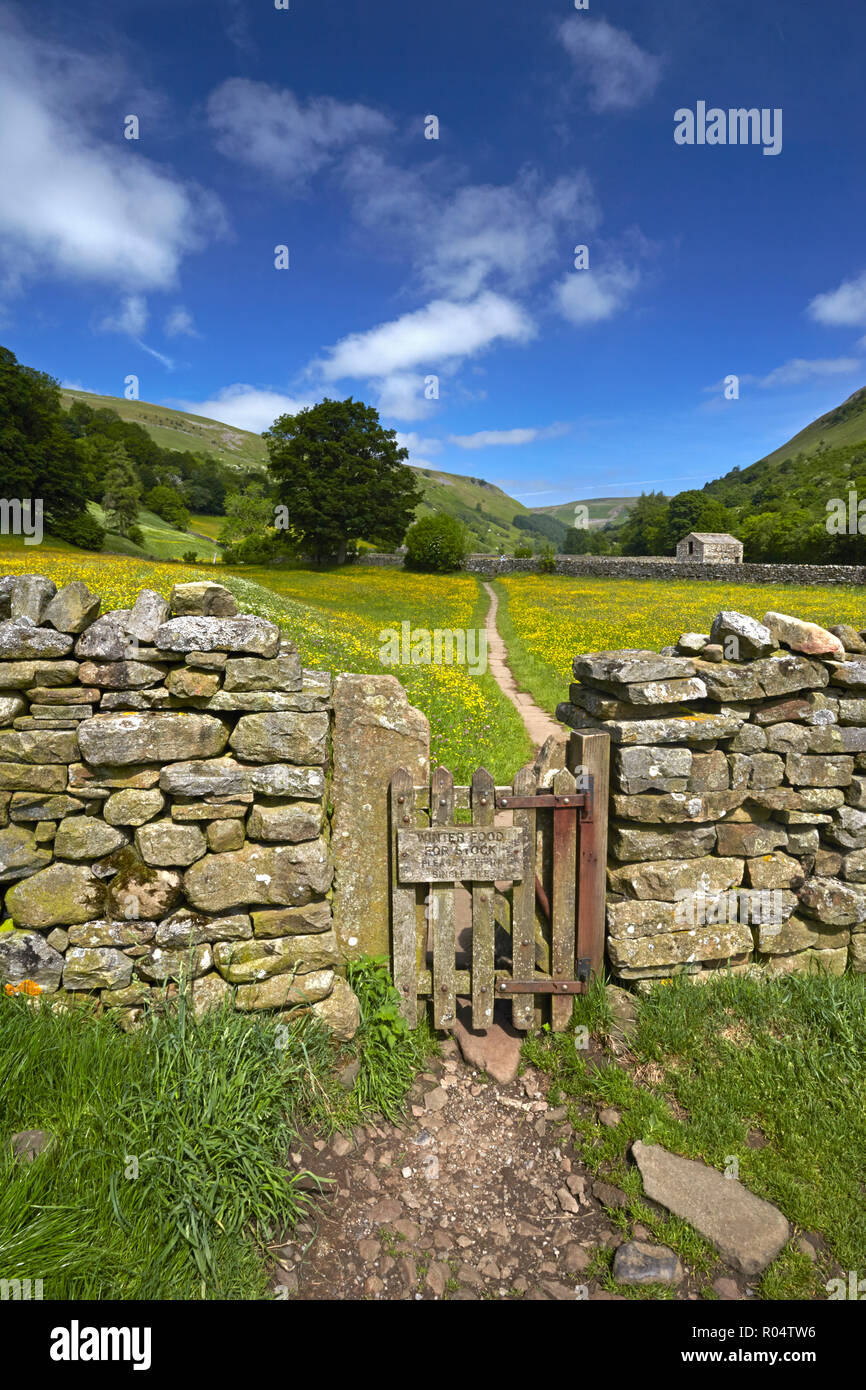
point(495, 1050)
point(747, 1231)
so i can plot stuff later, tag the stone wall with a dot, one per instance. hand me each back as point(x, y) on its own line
point(738, 798)
point(164, 778)
point(649, 567)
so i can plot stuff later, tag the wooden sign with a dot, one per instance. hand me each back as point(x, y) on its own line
point(457, 852)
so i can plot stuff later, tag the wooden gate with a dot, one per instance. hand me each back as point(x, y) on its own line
point(540, 881)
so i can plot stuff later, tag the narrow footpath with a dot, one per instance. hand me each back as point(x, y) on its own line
point(538, 725)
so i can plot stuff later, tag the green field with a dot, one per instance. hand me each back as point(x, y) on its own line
point(546, 620)
point(161, 541)
point(207, 525)
point(337, 618)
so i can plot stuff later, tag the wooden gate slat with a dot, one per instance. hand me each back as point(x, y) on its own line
point(564, 903)
point(403, 901)
point(483, 954)
point(444, 963)
point(523, 906)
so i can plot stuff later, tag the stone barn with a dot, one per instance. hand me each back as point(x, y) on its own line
point(710, 548)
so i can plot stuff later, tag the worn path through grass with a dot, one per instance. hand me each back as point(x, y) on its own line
point(539, 726)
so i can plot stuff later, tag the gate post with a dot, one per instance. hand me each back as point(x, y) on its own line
point(590, 752)
point(376, 731)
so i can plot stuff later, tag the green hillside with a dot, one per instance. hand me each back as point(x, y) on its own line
point(823, 461)
point(601, 509)
point(174, 429)
point(486, 510)
point(838, 428)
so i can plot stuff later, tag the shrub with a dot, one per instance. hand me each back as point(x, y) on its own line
point(136, 535)
point(259, 549)
point(523, 552)
point(436, 543)
point(82, 530)
point(547, 560)
point(190, 557)
point(167, 503)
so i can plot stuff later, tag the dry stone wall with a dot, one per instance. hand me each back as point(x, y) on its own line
point(164, 775)
point(738, 798)
point(644, 567)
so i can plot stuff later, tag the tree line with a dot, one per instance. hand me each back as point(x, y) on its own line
point(69, 458)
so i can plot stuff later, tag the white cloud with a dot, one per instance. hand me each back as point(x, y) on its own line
point(441, 332)
point(270, 129)
point(798, 370)
point(167, 362)
point(75, 205)
point(486, 439)
point(792, 373)
point(590, 296)
point(401, 396)
point(131, 318)
point(179, 322)
point(619, 73)
point(415, 444)
point(844, 307)
point(461, 239)
point(246, 407)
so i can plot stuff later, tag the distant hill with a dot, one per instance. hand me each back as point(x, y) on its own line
point(485, 509)
point(601, 509)
point(790, 507)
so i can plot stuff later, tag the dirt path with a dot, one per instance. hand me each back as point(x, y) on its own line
point(480, 1194)
point(538, 725)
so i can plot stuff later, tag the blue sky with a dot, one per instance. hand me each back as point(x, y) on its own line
point(452, 258)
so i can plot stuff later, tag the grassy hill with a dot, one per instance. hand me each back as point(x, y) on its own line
point(821, 462)
point(175, 429)
point(601, 509)
point(840, 427)
point(485, 509)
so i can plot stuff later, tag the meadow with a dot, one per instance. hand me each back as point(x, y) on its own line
point(336, 618)
point(545, 620)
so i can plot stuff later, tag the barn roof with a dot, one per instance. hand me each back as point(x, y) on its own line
point(711, 536)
